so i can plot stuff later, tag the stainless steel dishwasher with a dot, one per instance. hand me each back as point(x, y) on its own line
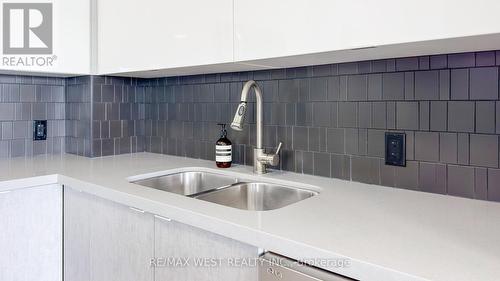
point(274, 267)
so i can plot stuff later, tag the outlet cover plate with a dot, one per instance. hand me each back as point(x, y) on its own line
point(395, 149)
point(39, 130)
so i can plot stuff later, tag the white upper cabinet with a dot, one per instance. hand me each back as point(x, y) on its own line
point(280, 28)
point(153, 38)
point(158, 34)
point(65, 26)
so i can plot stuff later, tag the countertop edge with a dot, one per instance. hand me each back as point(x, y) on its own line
point(359, 269)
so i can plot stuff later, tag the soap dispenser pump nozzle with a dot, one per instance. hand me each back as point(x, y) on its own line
point(223, 129)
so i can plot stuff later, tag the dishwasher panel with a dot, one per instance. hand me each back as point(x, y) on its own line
point(273, 267)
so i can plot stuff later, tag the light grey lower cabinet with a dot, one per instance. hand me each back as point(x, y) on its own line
point(76, 235)
point(106, 241)
point(186, 253)
point(121, 243)
point(31, 234)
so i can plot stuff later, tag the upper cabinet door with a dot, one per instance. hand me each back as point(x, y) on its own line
point(163, 34)
point(270, 29)
point(53, 38)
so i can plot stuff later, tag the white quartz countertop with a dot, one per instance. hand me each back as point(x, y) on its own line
point(385, 233)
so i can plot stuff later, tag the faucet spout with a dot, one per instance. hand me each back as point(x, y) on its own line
point(239, 116)
point(260, 158)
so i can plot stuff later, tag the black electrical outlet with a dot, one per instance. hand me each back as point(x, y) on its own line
point(395, 149)
point(39, 130)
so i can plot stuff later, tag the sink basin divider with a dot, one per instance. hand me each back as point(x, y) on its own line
point(194, 195)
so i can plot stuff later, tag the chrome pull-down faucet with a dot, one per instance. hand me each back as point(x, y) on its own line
point(260, 158)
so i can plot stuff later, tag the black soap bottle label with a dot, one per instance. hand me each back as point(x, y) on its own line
point(223, 150)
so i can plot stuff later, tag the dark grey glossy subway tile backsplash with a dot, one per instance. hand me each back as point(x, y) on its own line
point(24, 99)
point(332, 119)
point(106, 115)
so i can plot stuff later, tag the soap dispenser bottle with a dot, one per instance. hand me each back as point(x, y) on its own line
point(223, 149)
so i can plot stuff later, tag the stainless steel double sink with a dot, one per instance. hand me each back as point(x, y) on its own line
point(228, 191)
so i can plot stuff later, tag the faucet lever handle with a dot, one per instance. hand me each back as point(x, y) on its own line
point(272, 159)
point(278, 149)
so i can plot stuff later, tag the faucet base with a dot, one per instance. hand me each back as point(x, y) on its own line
point(261, 160)
point(258, 166)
